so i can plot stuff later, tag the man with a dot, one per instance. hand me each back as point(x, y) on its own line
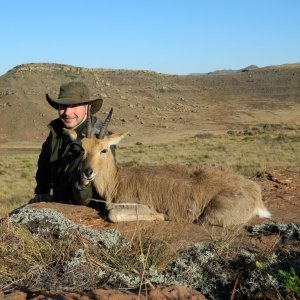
point(60, 157)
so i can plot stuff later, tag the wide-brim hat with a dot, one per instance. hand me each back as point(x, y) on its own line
point(75, 93)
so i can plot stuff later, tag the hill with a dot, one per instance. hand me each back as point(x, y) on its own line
point(153, 107)
point(226, 71)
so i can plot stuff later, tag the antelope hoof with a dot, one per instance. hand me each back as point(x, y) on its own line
point(117, 215)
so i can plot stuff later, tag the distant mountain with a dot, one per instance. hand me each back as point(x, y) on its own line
point(226, 71)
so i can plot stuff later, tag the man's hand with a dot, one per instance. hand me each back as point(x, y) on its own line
point(41, 198)
point(84, 182)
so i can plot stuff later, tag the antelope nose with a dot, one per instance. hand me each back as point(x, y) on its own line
point(88, 172)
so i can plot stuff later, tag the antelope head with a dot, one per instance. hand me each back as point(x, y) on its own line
point(97, 163)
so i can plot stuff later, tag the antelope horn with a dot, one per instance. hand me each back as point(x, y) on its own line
point(89, 122)
point(105, 124)
point(97, 127)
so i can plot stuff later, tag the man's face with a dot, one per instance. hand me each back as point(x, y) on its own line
point(72, 115)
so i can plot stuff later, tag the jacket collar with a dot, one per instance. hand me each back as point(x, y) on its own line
point(56, 127)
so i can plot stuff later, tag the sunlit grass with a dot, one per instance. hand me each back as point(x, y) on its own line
point(17, 181)
point(245, 154)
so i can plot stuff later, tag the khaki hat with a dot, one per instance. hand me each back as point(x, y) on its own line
point(75, 93)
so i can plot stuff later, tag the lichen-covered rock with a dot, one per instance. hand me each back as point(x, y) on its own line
point(199, 266)
point(289, 231)
point(47, 220)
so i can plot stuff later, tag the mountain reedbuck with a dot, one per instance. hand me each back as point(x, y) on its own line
point(167, 192)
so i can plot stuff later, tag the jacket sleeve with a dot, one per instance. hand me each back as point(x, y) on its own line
point(43, 174)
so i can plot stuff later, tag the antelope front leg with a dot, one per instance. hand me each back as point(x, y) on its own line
point(122, 212)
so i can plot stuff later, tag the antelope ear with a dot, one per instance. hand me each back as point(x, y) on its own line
point(116, 138)
point(70, 133)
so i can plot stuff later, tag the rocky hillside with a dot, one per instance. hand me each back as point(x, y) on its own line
point(153, 107)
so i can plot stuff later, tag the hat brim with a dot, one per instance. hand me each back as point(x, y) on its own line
point(96, 104)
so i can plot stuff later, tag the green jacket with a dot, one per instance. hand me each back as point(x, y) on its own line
point(58, 165)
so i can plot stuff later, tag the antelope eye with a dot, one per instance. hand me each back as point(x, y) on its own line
point(103, 151)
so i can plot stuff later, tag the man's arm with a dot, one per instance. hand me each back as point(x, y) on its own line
point(43, 174)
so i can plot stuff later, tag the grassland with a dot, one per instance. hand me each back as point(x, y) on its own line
point(247, 152)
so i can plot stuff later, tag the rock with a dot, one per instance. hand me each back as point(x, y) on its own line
point(17, 295)
point(175, 292)
point(172, 292)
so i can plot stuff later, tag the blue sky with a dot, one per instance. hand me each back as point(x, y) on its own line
point(174, 37)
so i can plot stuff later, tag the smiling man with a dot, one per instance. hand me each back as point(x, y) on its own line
point(57, 176)
point(72, 115)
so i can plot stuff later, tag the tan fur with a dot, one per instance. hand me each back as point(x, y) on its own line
point(182, 193)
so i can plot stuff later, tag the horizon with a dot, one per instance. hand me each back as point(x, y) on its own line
point(220, 70)
point(169, 37)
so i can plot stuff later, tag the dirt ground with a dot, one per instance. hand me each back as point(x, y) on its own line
point(281, 194)
point(166, 293)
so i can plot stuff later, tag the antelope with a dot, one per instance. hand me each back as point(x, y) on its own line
point(182, 193)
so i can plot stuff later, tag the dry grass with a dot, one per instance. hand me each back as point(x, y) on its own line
point(50, 261)
point(16, 179)
point(24, 255)
point(246, 152)
point(69, 260)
